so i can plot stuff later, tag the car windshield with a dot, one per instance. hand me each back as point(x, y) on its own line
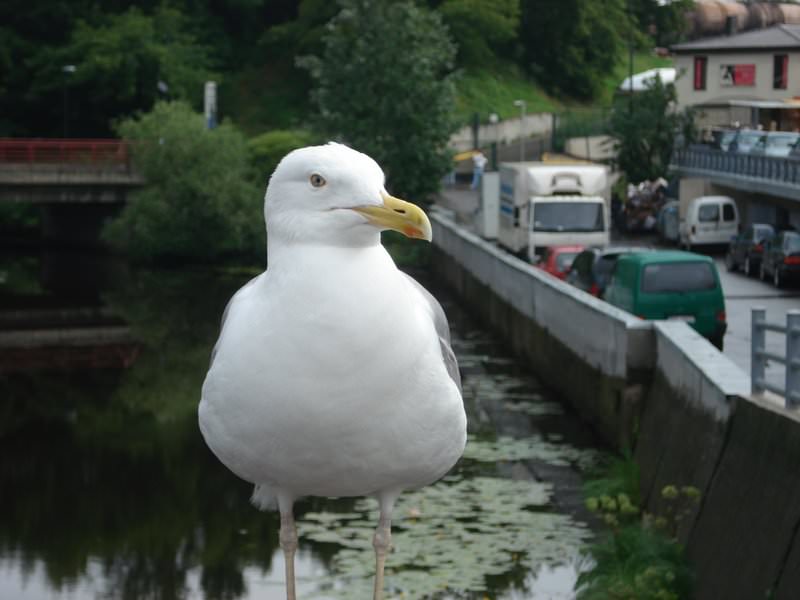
point(793, 243)
point(763, 233)
point(782, 141)
point(564, 260)
point(678, 277)
point(568, 216)
point(747, 140)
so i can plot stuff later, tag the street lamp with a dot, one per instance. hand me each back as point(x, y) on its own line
point(67, 70)
point(521, 104)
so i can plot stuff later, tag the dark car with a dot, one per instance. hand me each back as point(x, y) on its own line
point(747, 248)
point(592, 268)
point(782, 258)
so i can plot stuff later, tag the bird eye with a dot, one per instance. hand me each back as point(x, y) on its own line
point(317, 180)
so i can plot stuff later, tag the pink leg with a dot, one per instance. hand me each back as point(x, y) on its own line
point(382, 542)
point(288, 539)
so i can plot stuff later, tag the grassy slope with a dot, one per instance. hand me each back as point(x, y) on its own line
point(261, 99)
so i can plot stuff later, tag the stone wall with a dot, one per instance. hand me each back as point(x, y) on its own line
point(665, 391)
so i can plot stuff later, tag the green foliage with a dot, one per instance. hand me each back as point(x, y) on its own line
point(645, 127)
point(570, 46)
point(642, 61)
point(383, 85)
point(641, 558)
point(481, 28)
point(618, 477)
point(199, 201)
point(267, 150)
point(119, 61)
point(636, 562)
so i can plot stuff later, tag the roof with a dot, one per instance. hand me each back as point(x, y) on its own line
point(664, 256)
point(640, 81)
point(780, 36)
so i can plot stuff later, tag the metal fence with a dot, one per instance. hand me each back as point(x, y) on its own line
point(782, 170)
point(759, 355)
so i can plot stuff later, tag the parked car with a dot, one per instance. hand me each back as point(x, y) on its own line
point(592, 268)
point(744, 140)
point(709, 220)
point(671, 284)
point(557, 260)
point(747, 248)
point(782, 258)
point(775, 143)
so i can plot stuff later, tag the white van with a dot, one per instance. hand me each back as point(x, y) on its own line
point(709, 220)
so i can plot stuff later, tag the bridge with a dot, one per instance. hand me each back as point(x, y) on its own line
point(79, 184)
point(766, 188)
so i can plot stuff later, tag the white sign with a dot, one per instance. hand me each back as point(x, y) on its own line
point(210, 104)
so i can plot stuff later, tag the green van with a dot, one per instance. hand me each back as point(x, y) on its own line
point(670, 284)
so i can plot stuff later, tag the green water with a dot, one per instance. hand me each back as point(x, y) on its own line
point(107, 489)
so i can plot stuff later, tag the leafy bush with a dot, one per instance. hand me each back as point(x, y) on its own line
point(199, 200)
point(267, 150)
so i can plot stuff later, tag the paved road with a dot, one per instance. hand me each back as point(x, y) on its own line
point(741, 292)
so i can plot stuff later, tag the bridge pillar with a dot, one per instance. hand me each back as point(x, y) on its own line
point(76, 224)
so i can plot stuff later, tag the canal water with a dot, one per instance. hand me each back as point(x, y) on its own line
point(107, 489)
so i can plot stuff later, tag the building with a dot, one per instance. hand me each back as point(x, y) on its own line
point(750, 78)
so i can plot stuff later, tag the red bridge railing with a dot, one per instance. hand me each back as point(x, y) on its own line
point(63, 151)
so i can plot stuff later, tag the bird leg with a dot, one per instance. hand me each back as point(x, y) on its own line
point(382, 542)
point(288, 539)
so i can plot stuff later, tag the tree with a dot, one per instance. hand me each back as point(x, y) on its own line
point(572, 45)
point(481, 28)
point(384, 85)
point(118, 61)
point(200, 200)
point(645, 131)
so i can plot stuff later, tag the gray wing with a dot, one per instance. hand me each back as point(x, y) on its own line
point(225, 315)
point(442, 329)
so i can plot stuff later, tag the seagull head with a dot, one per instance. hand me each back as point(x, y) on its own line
point(333, 194)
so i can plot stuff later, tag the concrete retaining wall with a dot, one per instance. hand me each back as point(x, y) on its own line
point(597, 355)
point(662, 389)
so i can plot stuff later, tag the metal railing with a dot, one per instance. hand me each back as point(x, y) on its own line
point(770, 168)
point(44, 151)
point(759, 355)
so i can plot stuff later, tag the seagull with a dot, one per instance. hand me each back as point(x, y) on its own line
point(333, 374)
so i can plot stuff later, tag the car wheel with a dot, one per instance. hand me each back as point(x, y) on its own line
point(730, 264)
point(717, 341)
point(776, 278)
point(748, 267)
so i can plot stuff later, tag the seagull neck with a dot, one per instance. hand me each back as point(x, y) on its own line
point(289, 250)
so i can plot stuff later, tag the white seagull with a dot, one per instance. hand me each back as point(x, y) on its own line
point(333, 373)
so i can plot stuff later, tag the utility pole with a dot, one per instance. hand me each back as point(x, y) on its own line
point(522, 105)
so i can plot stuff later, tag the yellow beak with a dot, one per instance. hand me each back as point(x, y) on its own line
point(399, 215)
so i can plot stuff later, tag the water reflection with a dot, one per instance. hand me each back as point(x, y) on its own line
point(107, 489)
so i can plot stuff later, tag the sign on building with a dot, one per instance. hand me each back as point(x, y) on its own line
point(731, 75)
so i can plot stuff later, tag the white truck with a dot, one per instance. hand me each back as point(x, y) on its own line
point(548, 204)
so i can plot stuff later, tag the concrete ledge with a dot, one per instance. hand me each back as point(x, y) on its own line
point(618, 342)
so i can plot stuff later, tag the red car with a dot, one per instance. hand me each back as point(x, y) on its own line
point(557, 260)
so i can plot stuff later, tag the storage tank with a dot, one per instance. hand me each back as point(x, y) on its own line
point(711, 17)
point(762, 15)
point(790, 13)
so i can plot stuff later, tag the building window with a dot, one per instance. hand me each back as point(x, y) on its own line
point(700, 63)
point(780, 71)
